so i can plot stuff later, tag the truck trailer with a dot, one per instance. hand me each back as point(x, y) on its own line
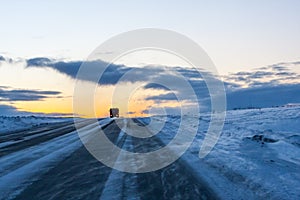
point(114, 112)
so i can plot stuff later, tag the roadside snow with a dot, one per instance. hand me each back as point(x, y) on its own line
point(257, 155)
point(10, 124)
point(21, 168)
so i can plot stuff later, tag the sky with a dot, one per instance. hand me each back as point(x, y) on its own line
point(239, 36)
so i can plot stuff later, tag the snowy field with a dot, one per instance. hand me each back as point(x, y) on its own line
point(256, 157)
point(258, 154)
point(17, 123)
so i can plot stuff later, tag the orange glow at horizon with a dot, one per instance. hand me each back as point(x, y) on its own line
point(47, 106)
point(129, 98)
point(131, 103)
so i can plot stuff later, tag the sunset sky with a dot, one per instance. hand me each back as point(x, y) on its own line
point(239, 36)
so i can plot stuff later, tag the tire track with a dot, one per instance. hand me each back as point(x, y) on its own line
point(172, 182)
point(79, 176)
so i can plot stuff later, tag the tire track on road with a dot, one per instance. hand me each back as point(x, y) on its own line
point(79, 176)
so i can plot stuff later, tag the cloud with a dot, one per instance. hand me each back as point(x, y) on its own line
point(7, 60)
point(296, 63)
point(281, 73)
point(113, 73)
point(285, 74)
point(264, 96)
point(8, 110)
point(111, 76)
point(273, 85)
point(41, 61)
point(260, 84)
point(8, 94)
point(162, 111)
point(260, 74)
point(118, 74)
point(155, 86)
point(163, 97)
point(2, 58)
point(131, 113)
point(279, 68)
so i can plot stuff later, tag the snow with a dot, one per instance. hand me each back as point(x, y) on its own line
point(17, 123)
point(21, 168)
point(113, 188)
point(257, 155)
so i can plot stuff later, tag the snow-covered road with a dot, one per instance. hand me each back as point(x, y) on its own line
point(62, 168)
point(22, 167)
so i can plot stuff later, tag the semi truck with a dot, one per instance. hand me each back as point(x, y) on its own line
point(114, 112)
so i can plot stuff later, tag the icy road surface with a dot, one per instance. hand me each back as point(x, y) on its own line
point(256, 157)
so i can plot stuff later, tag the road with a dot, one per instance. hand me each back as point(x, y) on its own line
point(50, 162)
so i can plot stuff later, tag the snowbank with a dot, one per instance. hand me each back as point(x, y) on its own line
point(10, 124)
point(257, 155)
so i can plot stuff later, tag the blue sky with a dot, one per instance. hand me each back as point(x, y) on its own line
point(254, 44)
point(237, 35)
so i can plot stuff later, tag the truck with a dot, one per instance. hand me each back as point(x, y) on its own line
point(114, 112)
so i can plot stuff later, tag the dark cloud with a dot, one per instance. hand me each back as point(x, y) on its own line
point(264, 96)
point(10, 60)
point(261, 92)
point(257, 84)
point(191, 76)
point(4, 87)
point(274, 74)
point(248, 76)
point(190, 72)
point(279, 68)
point(260, 74)
point(163, 97)
point(296, 63)
point(8, 94)
point(266, 87)
point(155, 86)
point(242, 74)
point(68, 68)
point(112, 73)
point(162, 111)
point(41, 61)
point(130, 113)
point(8, 110)
point(287, 74)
